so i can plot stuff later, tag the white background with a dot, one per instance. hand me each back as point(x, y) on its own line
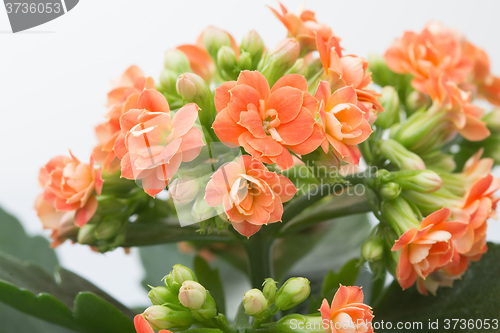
point(54, 79)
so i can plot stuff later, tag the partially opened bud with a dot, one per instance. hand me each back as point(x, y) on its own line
point(190, 87)
point(161, 295)
point(390, 102)
point(192, 295)
point(401, 157)
point(255, 303)
point(214, 39)
point(183, 190)
point(269, 289)
point(280, 59)
point(176, 61)
point(292, 293)
point(168, 317)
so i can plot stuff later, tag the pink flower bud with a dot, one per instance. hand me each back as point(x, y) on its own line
point(192, 295)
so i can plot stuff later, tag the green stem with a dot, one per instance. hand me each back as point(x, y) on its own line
point(258, 248)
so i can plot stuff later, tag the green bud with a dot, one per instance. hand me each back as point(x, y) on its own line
point(417, 100)
point(190, 87)
point(214, 39)
point(390, 102)
point(425, 181)
point(108, 229)
point(176, 61)
point(269, 289)
point(168, 81)
point(253, 45)
point(401, 157)
point(399, 215)
point(192, 295)
point(255, 303)
point(430, 202)
point(183, 190)
point(177, 276)
point(86, 235)
point(277, 62)
point(202, 211)
point(161, 295)
point(296, 323)
point(492, 120)
point(227, 63)
point(245, 61)
point(390, 190)
point(437, 160)
point(168, 317)
point(373, 249)
point(292, 293)
point(208, 310)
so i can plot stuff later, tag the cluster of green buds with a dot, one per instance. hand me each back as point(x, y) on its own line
point(181, 303)
point(265, 303)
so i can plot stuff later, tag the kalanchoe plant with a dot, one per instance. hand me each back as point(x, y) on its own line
point(240, 150)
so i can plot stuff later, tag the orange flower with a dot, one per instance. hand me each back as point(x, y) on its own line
point(142, 326)
point(345, 124)
point(426, 250)
point(250, 194)
point(131, 83)
point(347, 313)
point(268, 122)
point(152, 145)
point(303, 26)
point(434, 50)
point(348, 70)
point(69, 186)
point(488, 85)
point(465, 116)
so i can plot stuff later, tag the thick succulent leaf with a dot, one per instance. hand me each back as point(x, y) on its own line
point(476, 296)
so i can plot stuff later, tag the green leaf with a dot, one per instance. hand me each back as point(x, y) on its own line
point(210, 279)
point(32, 290)
point(15, 241)
point(346, 276)
point(476, 296)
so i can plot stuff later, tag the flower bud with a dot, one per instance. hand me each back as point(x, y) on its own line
point(177, 276)
point(245, 61)
point(390, 102)
point(428, 203)
point(213, 39)
point(296, 323)
point(161, 295)
point(252, 44)
point(399, 215)
point(401, 157)
point(192, 295)
point(437, 160)
point(373, 249)
point(269, 290)
point(425, 181)
point(292, 293)
point(183, 190)
point(108, 229)
point(227, 63)
point(168, 317)
point(417, 100)
point(255, 303)
point(201, 211)
point(390, 190)
point(86, 234)
point(208, 310)
point(176, 61)
point(280, 59)
point(190, 86)
point(492, 120)
point(168, 81)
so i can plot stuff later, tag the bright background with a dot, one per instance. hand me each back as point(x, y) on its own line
point(54, 79)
